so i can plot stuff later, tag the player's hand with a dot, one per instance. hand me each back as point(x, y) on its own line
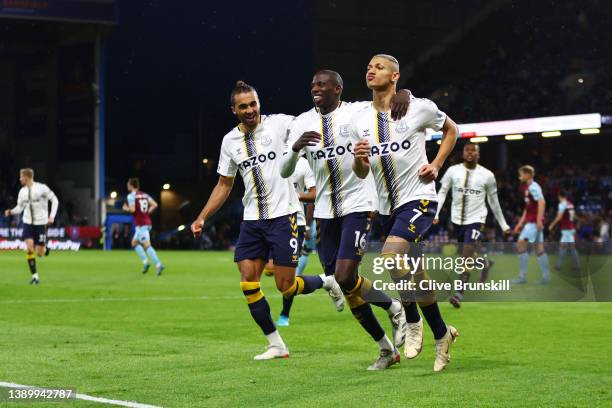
point(125, 207)
point(540, 225)
point(507, 232)
point(196, 227)
point(428, 172)
point(435, 221)
point(50, 220)
point(400, 102)
point(307, 139)
point(517, 229)
point(361, 150)
point(7, 213)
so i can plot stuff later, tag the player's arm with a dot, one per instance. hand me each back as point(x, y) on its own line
point(152, 205)
point(18, 209)
point(54, 205)
point(541, 209)
point(308, 196)
point(520, 223)
point(216, 200)
point(291, 157)
point(445, 185)
point(557, 219)
point(429, 172)
point(130, 204)
point(493, 200)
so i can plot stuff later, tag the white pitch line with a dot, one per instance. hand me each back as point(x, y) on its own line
point(85, 397)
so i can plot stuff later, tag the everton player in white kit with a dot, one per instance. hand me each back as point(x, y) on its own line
point(255, 148)
point(405, 182)
point(33, 202)
point(470, 184)
point(344, 205)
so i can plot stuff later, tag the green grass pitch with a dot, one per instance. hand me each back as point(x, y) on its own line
point(186, 339)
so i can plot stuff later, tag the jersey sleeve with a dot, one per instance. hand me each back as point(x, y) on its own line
point(21, 203)
point(493, 200)
point(536, 191)
point(431, 116)
point(131, 199)
point(226, 167)
point(445, 185)
point(562, 207)
point(285, 122)
point(54, 201)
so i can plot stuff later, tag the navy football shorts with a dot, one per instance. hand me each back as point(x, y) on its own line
point(342, 238)
point(411, 220)
point(277, 239)
point(38, 233)
point(469, 232)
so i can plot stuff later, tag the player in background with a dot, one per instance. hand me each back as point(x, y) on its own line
point(344, 205)
point(141, 205)
point(254, 148)
point(405, 182)
point(565, 219)
point(531, 226)
point(304, 184)
point(33, 201)
point(470, 184)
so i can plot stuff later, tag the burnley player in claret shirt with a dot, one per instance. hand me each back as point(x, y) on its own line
point(142, 205)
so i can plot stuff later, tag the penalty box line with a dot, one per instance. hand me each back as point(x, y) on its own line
point(83, 397)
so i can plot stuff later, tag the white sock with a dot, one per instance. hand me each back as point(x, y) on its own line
point(275, 339)
point(394, 308)
point(385, 343)
point(35, 275)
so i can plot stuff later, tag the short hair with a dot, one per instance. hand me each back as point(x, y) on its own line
point(476, 145)
point(562, 194)
point(134, 182)
point(28, 172)
point(389, 58)
point(527, 169)
point(336, 76)
point(239, 88)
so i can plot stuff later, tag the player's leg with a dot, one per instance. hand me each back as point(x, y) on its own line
point(360, 293)
point(522, 246)
point(411, 222)
point(353, 243)
point(283, 319)
point(251, 250)
point(31, 259)
point(282, 235)
point(471, 236)
point(146, 243)
point(307, 247)
point(542, 258)
point(29, 235)
point(269, 267)
point(328, 236)
point(139, 249)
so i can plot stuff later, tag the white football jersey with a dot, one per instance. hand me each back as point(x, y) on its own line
point(339, 190)
point(398, 151)
point(303, 180)
point(257, 156)
point(34, 203)
point(469, 189)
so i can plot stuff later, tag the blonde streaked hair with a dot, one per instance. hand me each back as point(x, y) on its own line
point(528, 170)
point(28, 172)
point(389, 58)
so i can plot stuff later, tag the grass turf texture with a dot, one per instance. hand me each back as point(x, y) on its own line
point(186, 339)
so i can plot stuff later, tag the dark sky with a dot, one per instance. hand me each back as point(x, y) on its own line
point(165, 60)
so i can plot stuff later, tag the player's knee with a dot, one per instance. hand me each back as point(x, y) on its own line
point(345, 280)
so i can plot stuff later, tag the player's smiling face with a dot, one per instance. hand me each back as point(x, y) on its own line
point(325, 91)
point(381, 73)
point(246, 108)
